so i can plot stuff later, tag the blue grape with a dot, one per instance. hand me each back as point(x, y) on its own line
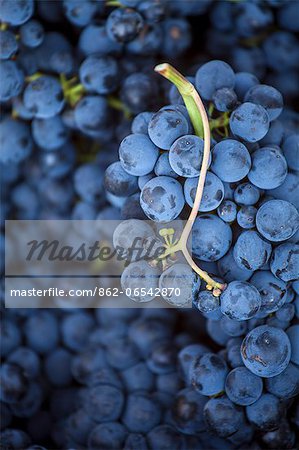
point(284, 262)
point(59, 163)
point(104, 403)
point(223, 417)
point(107, 435)
point(288, 190)
point(42, 332)
point(121, 353)
point(27, 359)
point(268, 97)
point(123, 24)
point(162, 199)
point(49, 134)
point(94, 40)
point(212, 76)
point(273, 291)
point(75, 330)
point(79, 13)
point(286, 384)
point(12, 437)
point(138, 92)
point(88, 183)
point(32, 33)
point(127, 232)
point(225, 99)
point(31, 401)
point(183, 110)
point(293, 335)
point(78, 426)
point(130, 207)
point(243, 387)
point(277, 220)
point(163, 167)
point(162, 358)
point(230, 160)
point(138, 377)
point(91, 114)
point(166, 126)
point(186, 356)
point(240, 300)
point(265, 413)
point(287, 17)
point(249, 122)
point(234, 356)
point(10, 337)
point(233, 327)
point(244, 81)
point(227, 211)
point(208, 374)
point(206, 302)
point(140, 275)
point(286, 312)
point(153, 12)
point(12, 80)
point(141, 413)
point(135, 440)
point(119, 182)
point(213, 192)
point(252, 18)
point(275, 134)
point(249, 60)
point(269, 168)
point(266, 351)
point(8, 44)
point(281, 51)
point(177, 37)
point(179, 276)
point(140, 122)
point(164, 436)
point(138, 155)
point(187, 411)
point(230, 270)
point(290, 149)
point(251, 251)
point(211, 238)
point(185, 155)
point(14, 384)
point(246, 217)
point(99, 74)
point(246, 194)
point(16, 12)
point(58, 367)
point(44, 97)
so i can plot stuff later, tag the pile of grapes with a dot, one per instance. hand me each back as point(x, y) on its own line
point(89, 131)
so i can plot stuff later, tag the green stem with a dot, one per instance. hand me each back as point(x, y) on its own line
point(117, 104)
point(186, 89)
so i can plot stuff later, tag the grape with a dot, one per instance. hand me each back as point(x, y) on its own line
point(163, 166)
point(293, 334)
point(277, 220)
point(16, 12)
point(266, 351)
point(233, 327)
point(230, 160)
point(206, 302)
point(138, 407)
point(27, 359)
point(78, 13)
point(179, 276)
point(212, 76)
point(246, 194)
point(32, 33)
point(177, 37)
point(251, 251)
point(281, 51)
point(273, 291)
point(94, 40)
point(75, 330)
point(269, 168)
point(284, 262)
point(8, 44)
point(265, 412)
point(246, 217)
point(230, 270)
point(240, 300)
point(227, 211)
point(16, 142)
point(208, 374)
point(49, 134)
point(99, 74)
point(140, 123)
point(138, 155)
point(244, 81)
point(187, 411)
point(287, 16)
point(119, 182)
point(138, 92)
point(211, 237)
point(104, 403)
point(165, 436)
point(13, 438)
point(249, 122)
point(225, 99)
point(185, 156)
point(13, 383)
point(140, 275)
point(123, 24)
point(290, 149)
point(268, 97)
point(91, 114)
point(243, 387)
point(12, 80)
point(286, 384)
point(162, 199)
point(44, 97)
point(130, 230)
point(87, 182)
point(166, 126)
point(213, 192)
point(105, 435)
point(252, 18)
point(138, 377)
point(148, 42)
point(223, 416)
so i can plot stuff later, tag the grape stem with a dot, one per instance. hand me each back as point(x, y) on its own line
point(200, 122)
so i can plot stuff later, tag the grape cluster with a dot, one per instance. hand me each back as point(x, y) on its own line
point(88, 131)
